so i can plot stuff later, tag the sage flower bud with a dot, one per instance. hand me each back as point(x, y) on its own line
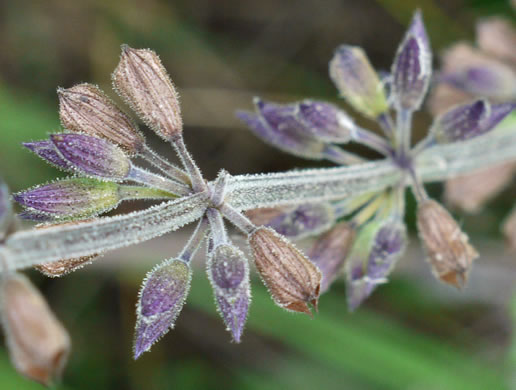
point(46, 150)
point(228, 272)
point(5, 210)
point(84, 108)
point(330, 251)
point(449, 252)
point(470, 192)
point(509, 230)
point(70, 198)
point(161, 299)
point(276, 125)
point(325, 121)
point(470, 120)
point(38, 344)
point(378, 247)
point(357, 81)
point(295, 222)
point(412, 67)
point(291, 278)
point(93, 156)
point(143, 82)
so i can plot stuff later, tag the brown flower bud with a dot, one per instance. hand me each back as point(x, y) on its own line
point(84, 108)
point(509, 230)
point(470, 192)
point(64, 266)
point(143, 82)
point(37, 342)
point(448, 250)
point(291, 278)
point(497, 36)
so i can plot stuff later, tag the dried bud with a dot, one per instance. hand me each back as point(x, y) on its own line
point(498, 37)
point(228, 272)
point(37, 342)
point(276, 125)
point(5, 210)
point(470, 192)
point(295, 222)
point(470, 120)
point(161, 299)
point(330, 251)
point(64, 267)
point(143, 82)
point(84, 108)
point(357, 81)
point(412, 67)
point(447, 247)
point(47, 151)
point(291, 278)
point(377, 249)
point(70, 198)
point(93, 156)
point(509, 230)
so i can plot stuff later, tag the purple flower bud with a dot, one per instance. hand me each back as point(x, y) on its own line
point(161, 299)
point(295, 222)
point(470, 120)
point(71, 198)
point(5, 210)
point(378, 247)
point(357, 81)
point(228, 272)
point(276, 125)
point(93, 156)
point(330, 251)
point(325, 122)
point(47, 151)
point(84, 108)
point(412, 67)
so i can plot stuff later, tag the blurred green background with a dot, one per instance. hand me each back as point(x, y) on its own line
point(414, 333)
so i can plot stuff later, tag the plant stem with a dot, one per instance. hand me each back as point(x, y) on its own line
point(150, 179)
point(195, 241)
point(164, 166)
point(371, 140)
point(198, 183)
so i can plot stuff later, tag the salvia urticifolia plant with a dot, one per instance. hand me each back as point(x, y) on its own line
point(355, 211)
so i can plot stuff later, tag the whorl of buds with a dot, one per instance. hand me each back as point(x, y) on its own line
point(84, 108)
point(5, 210)
point(228, 272)
point(291, 278)
point(330, 251)
point(93, 156)
point(143, 82)
point(161, 299)
point(37, 342)
point(412, 67)
point(449, 252)
point(357, 81)
point(295, 222)
point(70, 198)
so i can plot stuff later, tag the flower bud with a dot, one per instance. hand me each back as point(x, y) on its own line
point(70, 198)
point(379, 245)
point(93, 156)
point(228, 272)
point(291, 278)
point(143, 82)
point(295, 222)
point(5, 210)
point(38, 344)
point(84, 108)
point(276, 125)
point(449, 252)
point(509, 230)
point(161, 299)
point(498, 37)
point(325, 121)
point(47, 151)
point(470, 192)
point(330, 251)
point(357, 81)
point(412, 67)
point(470, 120)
